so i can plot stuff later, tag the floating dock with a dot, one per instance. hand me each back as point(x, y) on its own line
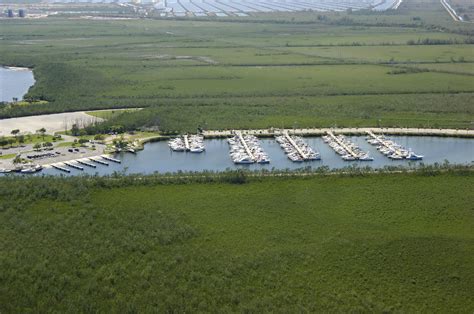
point(85, 163)
point(343, 145)
point(298, 149)
point(386, 144)
point(73, 166)
point(61, 168)
point(244, 144)
point(111, 159)
point(99, 161)
point(186, 142)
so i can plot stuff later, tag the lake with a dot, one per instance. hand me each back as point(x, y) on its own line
point(14, 83)
point(157, 157)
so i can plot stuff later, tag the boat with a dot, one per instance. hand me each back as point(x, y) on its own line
point(365, 157)
point(3, 170)
point(413, 156)
point(31, 169)
point(348, 158)
point(395, 157)
point(196, 149)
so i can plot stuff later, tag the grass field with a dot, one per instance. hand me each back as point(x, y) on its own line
point(363, 68)
point(385, 243)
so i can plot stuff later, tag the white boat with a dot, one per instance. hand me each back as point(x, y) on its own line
point(196, 149)
point(3, 170)
point(395, 157)
point(348, 158)
point(31, 169)
point(366, 158)
point(413, 156)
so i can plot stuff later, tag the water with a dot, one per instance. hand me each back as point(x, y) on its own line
point(14, 83)
point(157, 157)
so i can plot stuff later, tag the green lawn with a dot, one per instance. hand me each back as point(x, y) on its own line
point(7, 156)
point(386, 243)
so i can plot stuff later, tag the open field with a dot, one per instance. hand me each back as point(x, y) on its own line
point(52, 123)
point(365, 68)
point(394, 243)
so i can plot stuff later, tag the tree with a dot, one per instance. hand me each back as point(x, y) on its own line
point(17, 159)
point(21, 139)
point(75, 130)
point(37, 146)
point(15, 132)
point(3, 141)
point(11, 141)
point(47, 144)
point(41, 131)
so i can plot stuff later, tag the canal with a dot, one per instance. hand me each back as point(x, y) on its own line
point(157, 157)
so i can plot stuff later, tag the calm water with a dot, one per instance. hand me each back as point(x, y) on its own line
point(15, 83)
point(157, 157)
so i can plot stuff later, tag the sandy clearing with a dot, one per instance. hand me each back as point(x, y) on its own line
point(51, 122)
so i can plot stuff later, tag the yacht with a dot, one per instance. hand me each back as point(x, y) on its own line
point(413, 156)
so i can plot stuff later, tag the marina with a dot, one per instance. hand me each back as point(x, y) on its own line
point(187, 143)
point(158, 157)
point(246, 149)
point(296, 148)
point(344, 147)
point(390, 148)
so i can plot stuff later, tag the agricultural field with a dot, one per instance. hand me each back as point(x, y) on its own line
point(374, 243)
point(348, 69)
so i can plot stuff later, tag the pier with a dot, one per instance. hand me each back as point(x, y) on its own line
point(385, 143)
point(99, 161)
point(343, 145)
point(73, 166)
point(244, 144)
point(111, 159)
point(298, 149)
point(61, 168)
point(186, 142)
point(85, 163)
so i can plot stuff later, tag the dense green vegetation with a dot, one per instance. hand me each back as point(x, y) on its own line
point(411, 67)
point(377, 243)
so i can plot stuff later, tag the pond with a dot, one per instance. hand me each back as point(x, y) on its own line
point(14, 83)
point(157, 157)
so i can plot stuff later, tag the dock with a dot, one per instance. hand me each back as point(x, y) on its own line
point(61, 168)
point(186, 142)
point(384, 143)
point(99, 161)
point(342, 144)
point(298, 149)
point(244, 144)
point(73, 166)
point(85, 163)
point(111, 159)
